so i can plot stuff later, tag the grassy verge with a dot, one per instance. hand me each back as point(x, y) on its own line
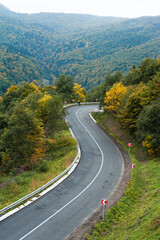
point(137, 214)
point(60, 155)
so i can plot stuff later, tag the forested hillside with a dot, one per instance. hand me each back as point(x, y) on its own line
point(30, 116)
point(134, 100)
point(40, 47)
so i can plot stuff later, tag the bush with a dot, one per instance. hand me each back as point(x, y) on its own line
point(43, 167)
point(148, 125)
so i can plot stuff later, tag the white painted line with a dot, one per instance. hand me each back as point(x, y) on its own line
point(27, 203)
point(115, 188)
point(80, 192)
point(10, 213)
point(34, 198)
point(92, 118)
point(72, 169)
point(20, 207)
point(72, 133)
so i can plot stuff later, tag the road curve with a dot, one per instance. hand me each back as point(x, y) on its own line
point(58, 213)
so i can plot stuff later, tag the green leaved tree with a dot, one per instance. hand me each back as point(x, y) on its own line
point(65, 86)
point(22, 142)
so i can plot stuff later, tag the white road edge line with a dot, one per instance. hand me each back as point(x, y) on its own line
point(115, 188)
point(80, 192)
point(92, 118)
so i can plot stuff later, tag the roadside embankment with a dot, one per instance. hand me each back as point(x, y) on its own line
point(116, 195)
point(132, 210)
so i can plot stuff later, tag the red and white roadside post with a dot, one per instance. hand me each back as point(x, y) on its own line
point(103, 203)
point(132, 166)
point(129, 145)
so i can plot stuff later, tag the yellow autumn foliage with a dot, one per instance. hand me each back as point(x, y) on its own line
point(12, 89)
point(44, 99)
point(114, 97)
point(39, 152)
point(150, 148)
point(80, 92)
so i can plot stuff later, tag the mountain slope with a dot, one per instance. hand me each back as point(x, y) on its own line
point(84, 46)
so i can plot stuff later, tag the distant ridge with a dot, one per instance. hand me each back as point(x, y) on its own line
point(4, 7)
point(40, 47)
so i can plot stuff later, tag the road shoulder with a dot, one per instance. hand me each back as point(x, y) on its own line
point(87, 225)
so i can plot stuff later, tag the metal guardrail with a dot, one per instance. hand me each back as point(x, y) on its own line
point(82, 103)
point(41, 188)
point(2, 211)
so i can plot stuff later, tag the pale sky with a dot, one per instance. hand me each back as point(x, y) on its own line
point(117, 8)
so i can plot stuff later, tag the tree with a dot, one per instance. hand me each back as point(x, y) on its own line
point(22, 143)
point(133, 77)
point(27, 88)
point(80, 92)
point(133, 106)
point(114, 97)
point(114, 78)
point(50, 110)
point(99, 92)
point(16, 94)
point(145, 72)
point(148, 69)
point(3, 122)
point(28, 115)
point(148, 127)
point(141, 95)
point(31, 101)
point(10, 97)
point(154, 87)
point(65, 86)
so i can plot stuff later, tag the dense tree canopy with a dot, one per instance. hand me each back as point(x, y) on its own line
point(29, 115)
point(148, 127)
point(135, 99)
point(144, 73)
point(22, 142)
point(64, 86)
point(39, 48)
point(98, 93)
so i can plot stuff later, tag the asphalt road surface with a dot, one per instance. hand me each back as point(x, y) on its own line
point(59, 212)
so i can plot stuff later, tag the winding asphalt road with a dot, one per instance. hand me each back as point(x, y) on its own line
point(59, 212)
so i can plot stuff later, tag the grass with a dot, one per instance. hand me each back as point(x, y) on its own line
point(60, 155)
point(137, 214)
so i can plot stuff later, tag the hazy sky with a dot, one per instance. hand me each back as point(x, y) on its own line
point(122, 8)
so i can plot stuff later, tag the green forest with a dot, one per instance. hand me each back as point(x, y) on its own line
point(134, 99)
point(39, 48)
point(30, 117)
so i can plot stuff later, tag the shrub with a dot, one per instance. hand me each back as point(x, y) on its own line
point(43, 167)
